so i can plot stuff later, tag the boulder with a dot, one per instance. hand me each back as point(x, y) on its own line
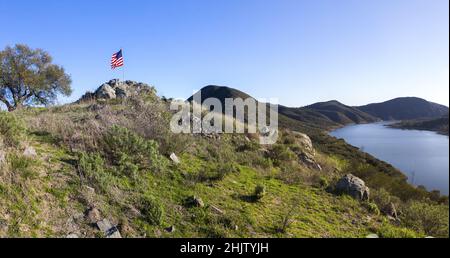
point(105, 92)
point(309, 161)
point(72, 235)
point(306, 153)
point(93, 215)
point(372, 236)
point(305, 142)
point(174, 158)
point(390, 211)
point(354, 187)
point(29, 152)
point(170, 229)
point(195, 201)
point(108, 229)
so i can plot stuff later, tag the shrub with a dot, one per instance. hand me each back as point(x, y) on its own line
point(92, 167)
point(126, 147)
point(260, 192)
point(323, 182)
point(280, 154)
point(432, 219)
point(372, 208)
point(152, 210)
point(12, 129)
point(387, 230)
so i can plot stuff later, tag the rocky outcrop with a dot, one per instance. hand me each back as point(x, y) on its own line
point(390, 211)
point(116, 89)
point(306, 152)
point(354, 187)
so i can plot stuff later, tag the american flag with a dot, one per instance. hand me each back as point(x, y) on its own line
point(117, 60)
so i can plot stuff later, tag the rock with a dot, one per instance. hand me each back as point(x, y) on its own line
point(93, 215)
point(29, 152)
point(122, 91)
point(105, 92)
point(305, 142)
point(108, 229)
point(89, 189)
point(217, 209)
point(116, 89)
point(390, 211)
point(309, 161)
point(72, 235)
point(354, 187)
point(372, 236)
point(174, 158)
point(195, 201)
point(96, 107)
point(2, 157)
point(170, 229)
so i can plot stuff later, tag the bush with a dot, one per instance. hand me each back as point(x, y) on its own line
point(152, 210)
point(12, 129)
point(432, 219)
point(125, 147)
point(92, 167)
point(281, 154)
point(260, 192)
point(387, 230)
point(323, 182)
point(372, 208)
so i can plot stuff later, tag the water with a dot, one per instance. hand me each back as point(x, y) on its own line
point(422, 155)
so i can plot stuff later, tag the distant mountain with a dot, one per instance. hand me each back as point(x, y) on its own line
point(405, 109)
point(439, 125)
point(221, 93)
point(340, 113)
point(320, 115)
point(333, 114)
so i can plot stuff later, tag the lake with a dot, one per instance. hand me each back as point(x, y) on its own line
point(422, 155)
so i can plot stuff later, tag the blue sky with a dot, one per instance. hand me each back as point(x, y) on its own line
point(301, 52)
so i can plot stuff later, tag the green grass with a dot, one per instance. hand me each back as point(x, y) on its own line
point(126, 174)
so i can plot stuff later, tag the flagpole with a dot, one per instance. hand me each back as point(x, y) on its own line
point(123, 67)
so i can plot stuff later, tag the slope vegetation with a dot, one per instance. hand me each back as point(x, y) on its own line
point(73, 170)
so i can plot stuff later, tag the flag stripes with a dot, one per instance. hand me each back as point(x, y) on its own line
point(117, 60)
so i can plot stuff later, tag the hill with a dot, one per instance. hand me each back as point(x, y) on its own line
point(324, 115)
point(341, 114)
point(439, 125)
point(405, 109)
point(110, 166)
point(221, 93)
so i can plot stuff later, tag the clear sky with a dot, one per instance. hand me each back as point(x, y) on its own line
point(300, 51)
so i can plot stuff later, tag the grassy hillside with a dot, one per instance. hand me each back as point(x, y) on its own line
point(59, 165)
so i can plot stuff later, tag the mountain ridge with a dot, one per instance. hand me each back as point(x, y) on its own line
point(331, 114)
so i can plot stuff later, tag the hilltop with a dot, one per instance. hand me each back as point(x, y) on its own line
point(110, 167)
point(405, 109)
point(342, 114)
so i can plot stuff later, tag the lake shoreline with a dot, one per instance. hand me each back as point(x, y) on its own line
point(420, 155)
